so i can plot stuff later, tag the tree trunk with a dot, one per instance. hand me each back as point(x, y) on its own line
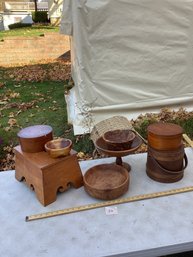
point(36, 7)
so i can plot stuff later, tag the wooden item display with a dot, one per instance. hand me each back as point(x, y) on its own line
point(106, 181)
point(119, 139)
point(102, 146)
point(166, 158)
point(33, 138)
point(47, 175)
point(166, 166)
point(58, 147)
point(164, 136)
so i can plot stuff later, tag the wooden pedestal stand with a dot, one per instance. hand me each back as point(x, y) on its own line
point(45, 175)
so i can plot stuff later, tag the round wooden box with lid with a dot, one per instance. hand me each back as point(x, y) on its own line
point(33, 138)
point(164, 136)
point(166, 158)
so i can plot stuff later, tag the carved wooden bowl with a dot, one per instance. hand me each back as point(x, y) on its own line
point(119, 139)
point(102, 147)
point(106, 181)
point(58, 147)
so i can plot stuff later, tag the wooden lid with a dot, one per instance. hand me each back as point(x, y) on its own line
point(35, 131)
point(165, 129)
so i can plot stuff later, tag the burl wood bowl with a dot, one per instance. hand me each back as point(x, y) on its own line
point(106, 181)
point(119, 139)
point(58, 147)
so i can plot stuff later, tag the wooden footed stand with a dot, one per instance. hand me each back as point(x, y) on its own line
point(46, 175)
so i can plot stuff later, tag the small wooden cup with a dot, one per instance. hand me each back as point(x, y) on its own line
point(58, 147)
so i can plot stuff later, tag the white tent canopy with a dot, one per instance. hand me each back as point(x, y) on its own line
point(128, 57)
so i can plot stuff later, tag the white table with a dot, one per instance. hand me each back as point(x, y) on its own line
point(151, 227)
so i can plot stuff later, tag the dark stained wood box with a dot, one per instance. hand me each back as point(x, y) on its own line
point(164, 136)
point(47, 175)
point(33, 138)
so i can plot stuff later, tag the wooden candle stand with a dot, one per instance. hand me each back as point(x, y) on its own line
point(46, 175)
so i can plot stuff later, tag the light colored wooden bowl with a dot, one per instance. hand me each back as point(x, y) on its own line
point(106, 181)
point(58, 147)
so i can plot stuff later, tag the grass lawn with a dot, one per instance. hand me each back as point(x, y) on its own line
point(35, 30)
point(28, 98)
point(27, 103)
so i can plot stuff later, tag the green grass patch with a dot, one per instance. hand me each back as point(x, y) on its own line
point(34, 103)
point(187, 125)
point(34, 30)
point(31, 103)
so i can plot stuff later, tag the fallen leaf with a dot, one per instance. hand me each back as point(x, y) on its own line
point(12, 122)
point(7, 129)
point(31, 115)
point(18, 112)
point(11, 115)
point(14, 95)
point(2, 84)
point(80, 155)
point(3, 102)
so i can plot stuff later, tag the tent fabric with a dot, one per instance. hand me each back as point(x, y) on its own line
point(128, 57)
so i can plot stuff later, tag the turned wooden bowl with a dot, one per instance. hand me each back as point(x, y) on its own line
point(119, 139)
point(106, 181)
point(103, 147)
point(58, 147)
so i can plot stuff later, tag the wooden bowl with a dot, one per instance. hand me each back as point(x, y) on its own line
point(58, 147)
point(102, 147)
point(106, 181)
point(33, 138)
point(119, 139)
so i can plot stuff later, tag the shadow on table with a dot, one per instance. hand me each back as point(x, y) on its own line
point(184, 254)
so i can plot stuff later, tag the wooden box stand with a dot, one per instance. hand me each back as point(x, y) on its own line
point(45, 175)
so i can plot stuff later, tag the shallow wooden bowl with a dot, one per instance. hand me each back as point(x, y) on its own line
point(106, 181)
point(102, 147)
point(58, 147)
point(119, 139)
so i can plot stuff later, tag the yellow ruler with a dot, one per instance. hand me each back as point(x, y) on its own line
point(188, 140)
point(108, 203)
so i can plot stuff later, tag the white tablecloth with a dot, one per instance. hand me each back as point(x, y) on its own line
point(145, 228)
